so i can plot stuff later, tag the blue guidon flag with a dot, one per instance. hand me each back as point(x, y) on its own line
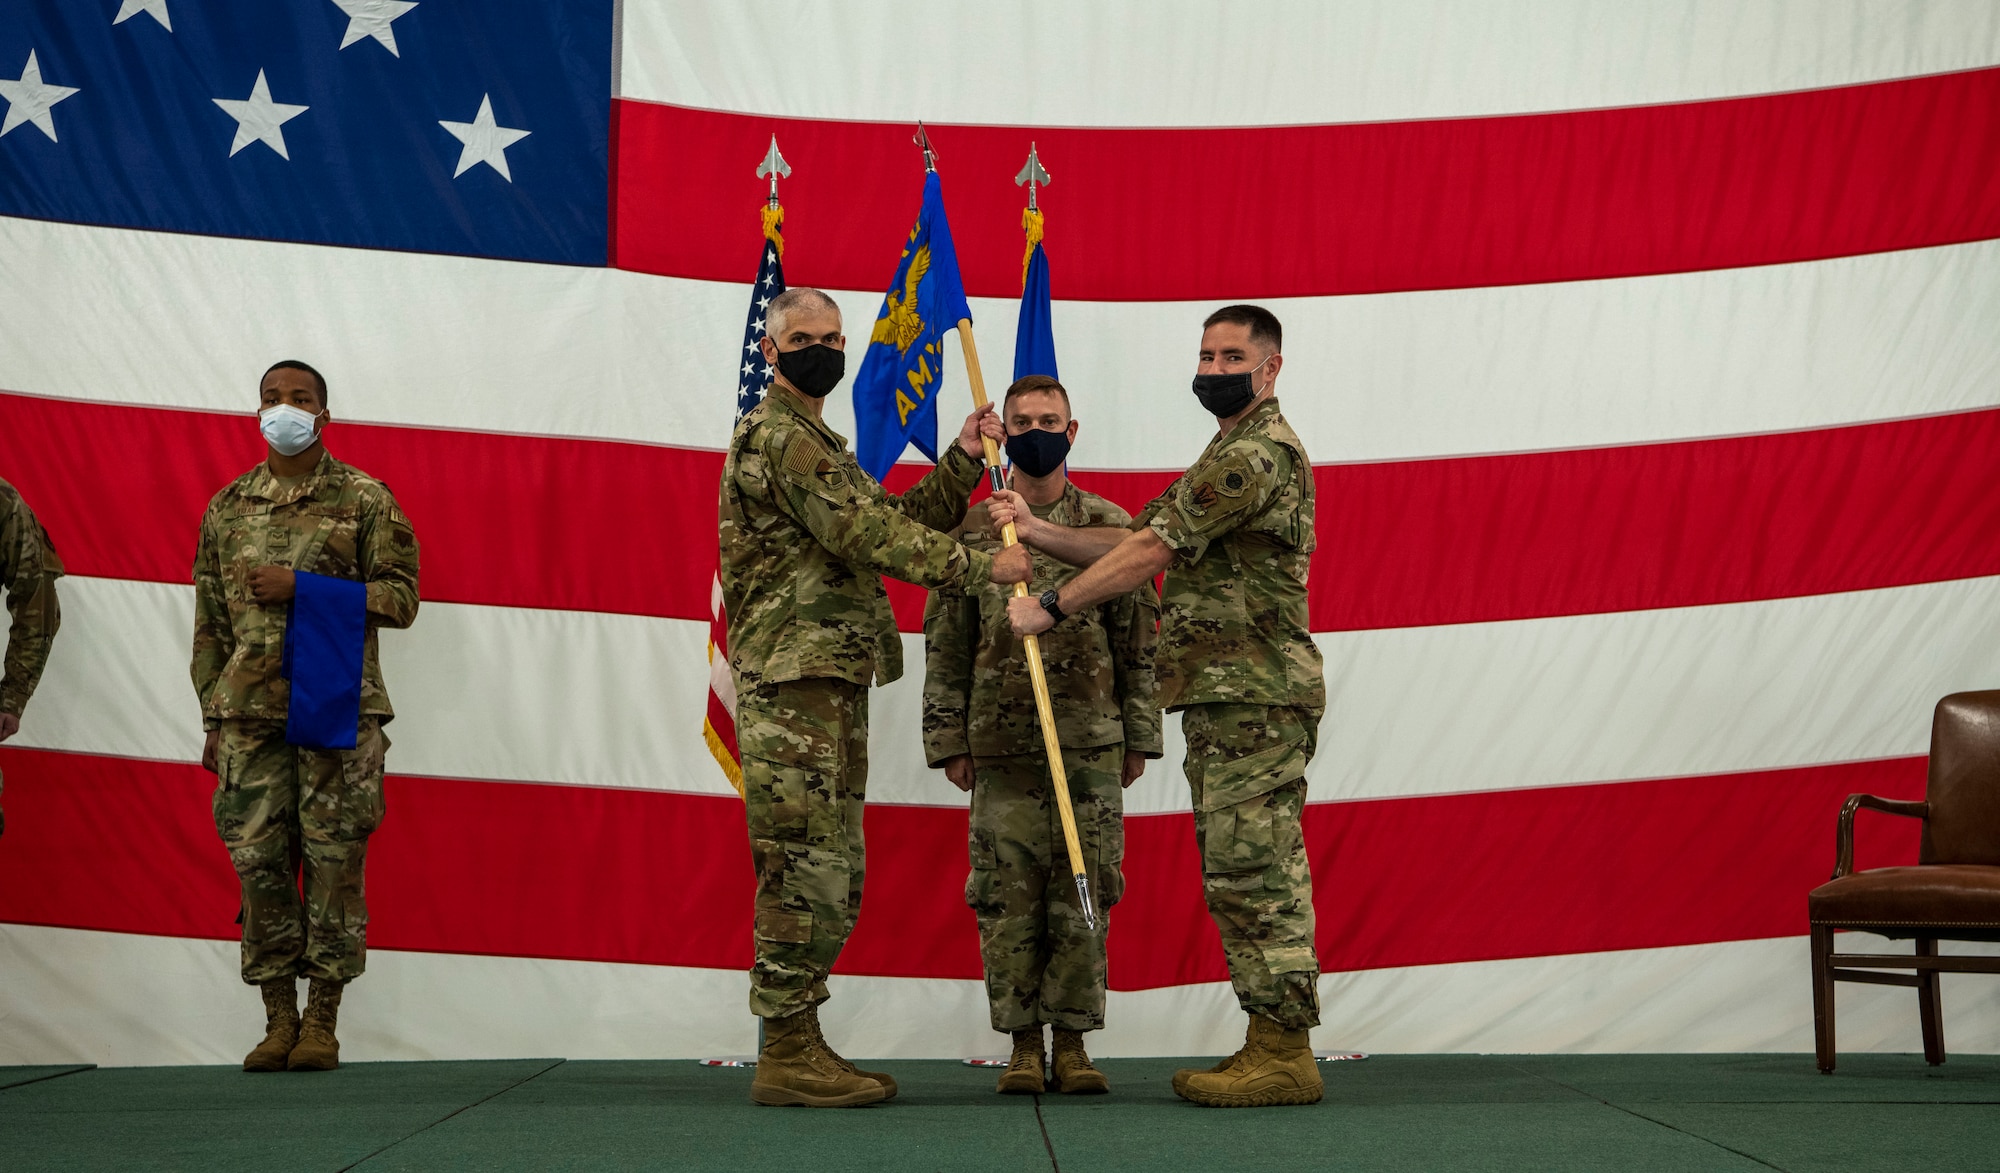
point(429, 126)
point(325, 639)
point(1034, 331)
point(895, 395)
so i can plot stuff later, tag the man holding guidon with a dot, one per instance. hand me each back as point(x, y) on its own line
point(805, 537)
point(295, 720)
point(1235, 537)
point(1044, 964)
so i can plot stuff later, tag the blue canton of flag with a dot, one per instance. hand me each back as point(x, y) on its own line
point(755, 375)
point(895, 395)
point(427, 125)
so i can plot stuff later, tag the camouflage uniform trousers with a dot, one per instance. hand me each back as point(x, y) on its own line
point(805, 778)
point(286, 812)
point(1042, 964)
point(1246, 768)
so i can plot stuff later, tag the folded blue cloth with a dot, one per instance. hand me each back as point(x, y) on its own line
point(324, 637)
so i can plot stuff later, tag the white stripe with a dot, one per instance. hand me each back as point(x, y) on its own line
point(1647, 694)
point(1246, 62)
point(187, 321)
point(119, 999)
point(616, 700)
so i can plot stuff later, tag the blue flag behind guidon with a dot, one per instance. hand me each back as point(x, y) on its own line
point(325, 638)
point(1034, 333)
point(895, 395)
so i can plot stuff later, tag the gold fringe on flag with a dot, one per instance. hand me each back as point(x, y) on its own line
point(774, 220)
point(1031, 220)
point(730, 767)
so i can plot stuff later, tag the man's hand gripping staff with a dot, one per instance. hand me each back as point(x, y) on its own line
point(1043, 708)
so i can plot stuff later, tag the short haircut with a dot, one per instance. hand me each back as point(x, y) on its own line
point(1263, 324)
point(1029, 383)
point(292, 364)
point(799, 297)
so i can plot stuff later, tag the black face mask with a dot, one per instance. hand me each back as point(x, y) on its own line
point(1225, 395)
point(814, 370)
point(1037, 452)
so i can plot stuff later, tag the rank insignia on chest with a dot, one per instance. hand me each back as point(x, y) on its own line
point(1201, 497)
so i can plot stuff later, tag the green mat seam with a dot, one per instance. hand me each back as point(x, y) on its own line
point(1650, 1120)
point(1047, 1143)
point(77, 1070)
point(455, 1111)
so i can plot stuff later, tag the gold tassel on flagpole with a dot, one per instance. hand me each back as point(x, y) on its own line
point(774, 221)
point(1031, 220)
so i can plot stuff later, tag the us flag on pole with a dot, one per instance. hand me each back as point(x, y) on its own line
point(718, 725)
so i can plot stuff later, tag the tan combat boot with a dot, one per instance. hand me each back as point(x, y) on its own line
point(888, 1082)
point(1074, 1074)
point(317, 1049)
point(1184, 1074)
point(1276, 1066)
point(1024, 1073)
point(795, 1069)
point(281, 1026)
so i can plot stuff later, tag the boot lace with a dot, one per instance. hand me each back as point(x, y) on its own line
point(1026, 1053)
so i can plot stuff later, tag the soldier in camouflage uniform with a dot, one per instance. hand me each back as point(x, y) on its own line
point(286, 811)
point(1043, 966)
point(1235, 537)
point(28, 570)
point(805, 538)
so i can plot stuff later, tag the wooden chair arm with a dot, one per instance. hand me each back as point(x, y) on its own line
point(1843, 862)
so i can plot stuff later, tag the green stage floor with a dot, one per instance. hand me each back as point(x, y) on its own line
point(1391, 1112)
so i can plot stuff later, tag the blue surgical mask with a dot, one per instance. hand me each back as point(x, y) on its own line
point(288, 430)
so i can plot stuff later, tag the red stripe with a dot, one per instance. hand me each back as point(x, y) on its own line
point(720, 720)
point(589, 525)
point(1683, 524)
point(504, 520)
point(630, 876)
point(1229, 212)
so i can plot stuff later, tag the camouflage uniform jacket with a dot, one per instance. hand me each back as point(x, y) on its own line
point(1240, 523)
point(977, 699)
point(339, 522)
point(28, 570)
point(806, 536)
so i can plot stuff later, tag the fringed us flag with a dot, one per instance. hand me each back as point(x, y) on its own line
point(718, 724)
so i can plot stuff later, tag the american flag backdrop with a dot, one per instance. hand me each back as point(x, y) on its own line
point(1647, 350)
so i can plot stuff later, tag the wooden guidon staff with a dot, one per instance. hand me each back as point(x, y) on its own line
point(1043, 708)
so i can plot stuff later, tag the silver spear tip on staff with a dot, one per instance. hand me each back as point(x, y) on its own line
point(1032, 173)
point(1083, 901)
point(774, 165)
point(923, 139)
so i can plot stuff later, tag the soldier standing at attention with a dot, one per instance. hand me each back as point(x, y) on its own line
point(1043, 966)
point(284, 810)
point(1235, 537)
point(28, 570)
point(806, 537)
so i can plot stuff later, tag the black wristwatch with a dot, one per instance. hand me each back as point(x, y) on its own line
point(1050, 605)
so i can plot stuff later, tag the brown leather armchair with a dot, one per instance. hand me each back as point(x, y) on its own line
point(1952, 894)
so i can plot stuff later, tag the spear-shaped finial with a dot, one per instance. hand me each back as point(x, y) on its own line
point(774, 165)
point(1031, 174)
point(922, 139)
